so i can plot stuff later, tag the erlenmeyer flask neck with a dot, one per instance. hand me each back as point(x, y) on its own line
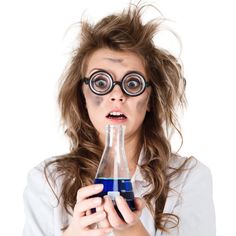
point(113, 163)
point(115, 136)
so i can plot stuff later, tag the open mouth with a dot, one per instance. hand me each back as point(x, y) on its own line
point(116, 115)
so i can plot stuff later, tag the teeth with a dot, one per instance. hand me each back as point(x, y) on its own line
point(114, 113)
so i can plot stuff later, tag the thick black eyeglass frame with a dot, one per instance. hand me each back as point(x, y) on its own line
point(87, 81)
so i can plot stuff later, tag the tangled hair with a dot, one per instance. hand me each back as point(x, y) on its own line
point(121, 32)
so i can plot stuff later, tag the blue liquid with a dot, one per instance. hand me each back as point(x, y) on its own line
point(123, 186)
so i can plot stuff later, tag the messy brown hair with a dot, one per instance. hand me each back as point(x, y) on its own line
point(121, 32)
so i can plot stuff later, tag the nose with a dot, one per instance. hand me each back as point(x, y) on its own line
point(116, 94)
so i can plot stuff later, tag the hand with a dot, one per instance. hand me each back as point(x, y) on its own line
point(84, 222)
point(130, 218)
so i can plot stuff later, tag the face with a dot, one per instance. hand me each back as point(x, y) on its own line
point(116, 107)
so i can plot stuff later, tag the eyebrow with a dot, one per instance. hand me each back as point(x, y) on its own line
point(116, 60)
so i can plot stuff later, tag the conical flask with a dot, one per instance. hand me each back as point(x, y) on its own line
point(113, 171)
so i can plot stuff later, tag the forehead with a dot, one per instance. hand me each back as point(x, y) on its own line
point(115, 60)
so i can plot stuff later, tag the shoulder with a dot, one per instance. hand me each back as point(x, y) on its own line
point(191, 162)
point(188, 166)
point(192, 183)
point(188, 173)
point(37, 173)
point(190, 197)
point(40, 184)
point(44, 213)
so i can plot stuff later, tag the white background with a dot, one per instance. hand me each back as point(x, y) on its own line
point(34, 48)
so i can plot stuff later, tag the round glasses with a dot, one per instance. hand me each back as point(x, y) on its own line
point(102, 83)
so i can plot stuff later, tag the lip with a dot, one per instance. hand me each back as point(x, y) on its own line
point(116, 110)
point(122, 120)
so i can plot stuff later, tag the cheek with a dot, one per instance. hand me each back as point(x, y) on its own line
point(142, 105)
point(93, 100)
point(96, 100)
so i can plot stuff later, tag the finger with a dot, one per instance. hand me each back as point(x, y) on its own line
point(126, 212)
point(93, 226)
point(89, 220)
point(88, 212)
point(113, 218)
point(88, 191)
point(87, 204)
point(100, 208)
point(103, 223)
point(129, 216)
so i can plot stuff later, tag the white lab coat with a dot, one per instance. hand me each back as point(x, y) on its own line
point(191, 199)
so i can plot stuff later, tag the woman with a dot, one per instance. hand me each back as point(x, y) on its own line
point(118, 75)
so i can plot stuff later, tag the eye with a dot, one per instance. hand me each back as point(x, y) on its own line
point(100, 82)
point(133, 83)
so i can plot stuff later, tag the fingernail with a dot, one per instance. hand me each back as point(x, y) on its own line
point(119, 199)
point(98, 186)
point(106, 197)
